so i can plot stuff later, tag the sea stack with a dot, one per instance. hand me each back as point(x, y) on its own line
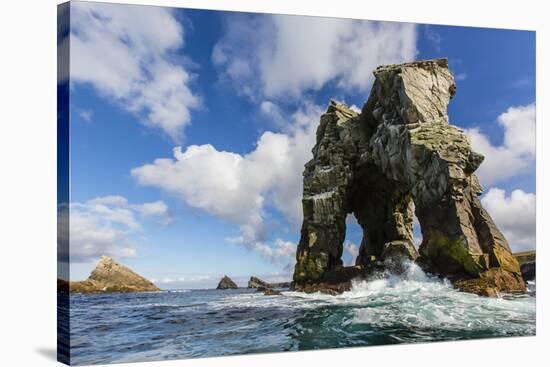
point(398, 157)
point(226, 283)
point(257, 283)
point(110, 276)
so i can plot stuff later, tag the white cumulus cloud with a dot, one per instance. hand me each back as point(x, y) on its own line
point(238, 187)
point(352, 251)
point(281, 253)
point(280, 55)
point(127, 54)
point(102, 226)
point(516, 154)
point(515, 216)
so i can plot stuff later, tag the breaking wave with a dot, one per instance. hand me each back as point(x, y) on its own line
point(426, 306)
point(388, 309)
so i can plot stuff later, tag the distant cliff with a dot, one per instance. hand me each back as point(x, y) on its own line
point(110, 276)
point(259, 284)
point(527, 263)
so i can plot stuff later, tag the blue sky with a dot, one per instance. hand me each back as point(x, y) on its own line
point(190, 128)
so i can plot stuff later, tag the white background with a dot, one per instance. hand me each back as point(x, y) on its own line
point(28, 182)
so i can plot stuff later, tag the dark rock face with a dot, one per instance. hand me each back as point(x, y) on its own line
point(397, 157)
point(529, 271)
point(226, 283)
point(110, 276)
point(528, 264)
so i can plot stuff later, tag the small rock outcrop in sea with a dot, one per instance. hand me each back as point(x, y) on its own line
point(400, 156)
point(226, 283)
point(110, 276)
point(258, 283)
point(262, 285)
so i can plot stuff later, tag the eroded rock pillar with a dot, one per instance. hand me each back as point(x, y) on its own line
point(327, 180)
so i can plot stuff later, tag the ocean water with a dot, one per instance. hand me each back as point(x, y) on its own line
point(410, 308)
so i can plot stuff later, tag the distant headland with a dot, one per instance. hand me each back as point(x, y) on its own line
point(109, 277)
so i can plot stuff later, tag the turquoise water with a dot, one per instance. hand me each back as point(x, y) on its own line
point(199, 323)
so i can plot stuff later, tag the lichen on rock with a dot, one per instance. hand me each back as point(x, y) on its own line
point(400, 157)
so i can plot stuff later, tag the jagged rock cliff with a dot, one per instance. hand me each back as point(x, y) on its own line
point(226, 283)
point(397, 157)
point(110, 276)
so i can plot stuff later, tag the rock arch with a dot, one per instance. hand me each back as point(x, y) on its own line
point(397, 157)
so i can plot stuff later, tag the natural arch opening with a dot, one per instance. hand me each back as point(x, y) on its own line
point(384, 210)
point(417, 232)
point(352, 242)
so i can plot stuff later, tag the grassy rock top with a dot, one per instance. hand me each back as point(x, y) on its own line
point(526, 257)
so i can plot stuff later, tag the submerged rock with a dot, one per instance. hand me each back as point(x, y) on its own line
point(110, 276)
point(226, 283)
point(400, 157)
point(272, 292)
